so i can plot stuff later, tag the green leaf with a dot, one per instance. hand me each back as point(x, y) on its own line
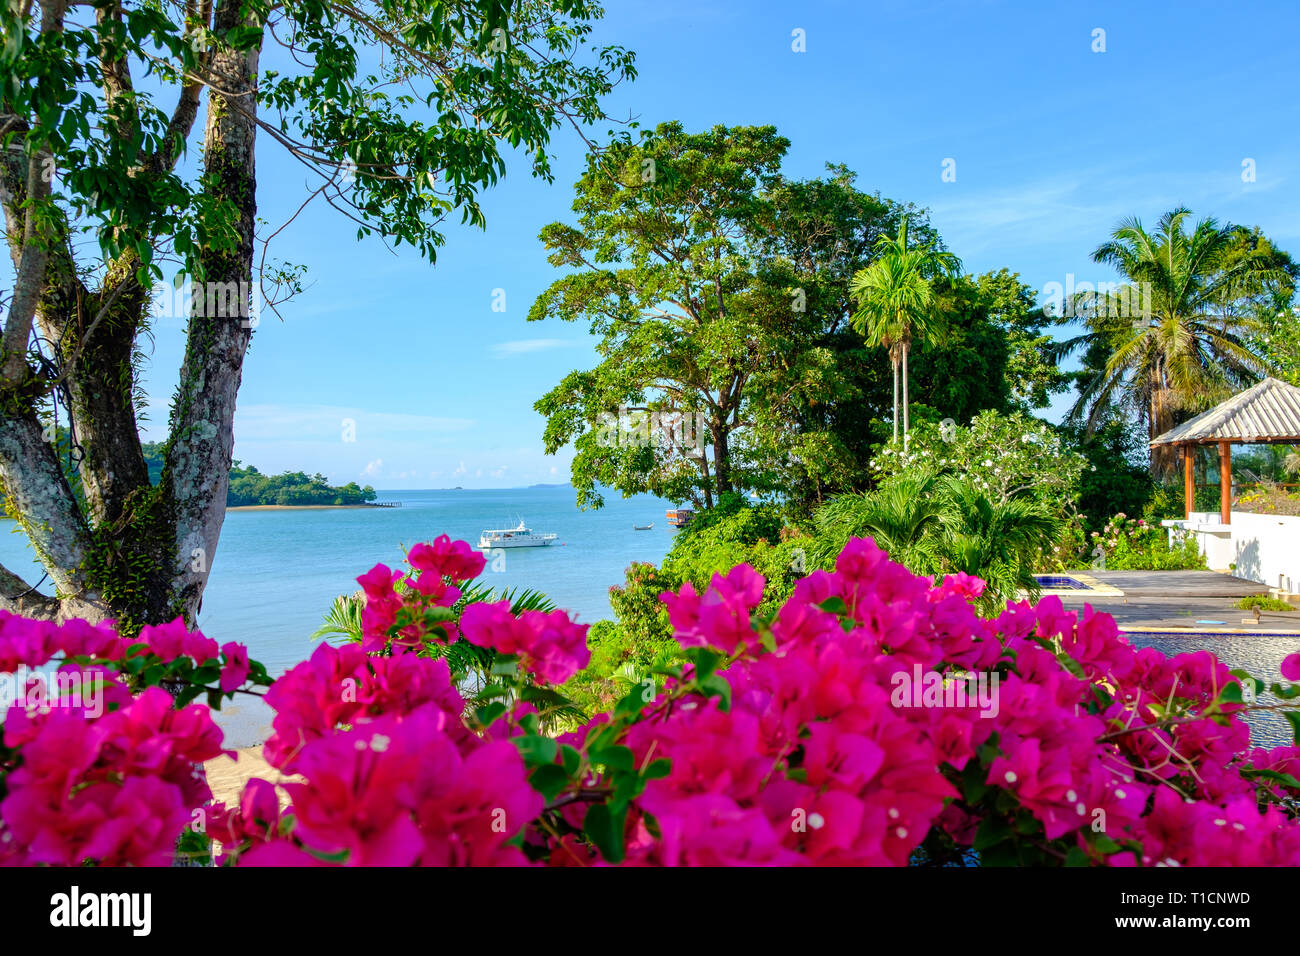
point(1105, 844)
point(505, 665)
point(549, 780)
point(1231, 694)
point(1294, 717)
point(705, 659)
point(716, 686)
point(991, 832)
point(489, 715)
point(632, 703)
point(1286, 779)
point(536, 749)
point(614, 758)
point(571, 759)
point(835, 605)
point(1285, 692)
point(604, 827)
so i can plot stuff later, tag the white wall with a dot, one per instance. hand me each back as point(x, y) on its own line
point(1264, 548)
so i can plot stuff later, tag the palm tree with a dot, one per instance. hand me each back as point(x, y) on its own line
point(899, 516)
point(998, 541)
point(1187, 348)
point(944, 525)
point(897, 304)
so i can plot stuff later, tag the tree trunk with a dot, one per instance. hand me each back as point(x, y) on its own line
point(196, 469)
point(721, 466)
point(893, 361)
point(906, 419)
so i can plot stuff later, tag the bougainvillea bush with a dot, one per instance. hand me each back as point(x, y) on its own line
point(837, 730)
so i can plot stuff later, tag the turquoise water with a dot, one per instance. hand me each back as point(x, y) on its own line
point(276, 573)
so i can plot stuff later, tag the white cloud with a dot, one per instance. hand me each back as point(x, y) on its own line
point(325, 422)
point(460, 469)
point(373, 469)
point(526, 346)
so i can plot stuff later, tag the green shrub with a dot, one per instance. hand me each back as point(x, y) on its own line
point(1264, 603)
point(1134, 544)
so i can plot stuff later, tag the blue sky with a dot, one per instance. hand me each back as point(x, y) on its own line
point(1052, 144)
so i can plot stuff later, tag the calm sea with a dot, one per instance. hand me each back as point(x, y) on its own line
point(276, 573)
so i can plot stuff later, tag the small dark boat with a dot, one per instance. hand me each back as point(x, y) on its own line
point(643, 527)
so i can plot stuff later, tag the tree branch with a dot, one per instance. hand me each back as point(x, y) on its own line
point(18, 597)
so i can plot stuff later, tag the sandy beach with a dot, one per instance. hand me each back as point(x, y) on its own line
point(299, 507)
point(227, 776)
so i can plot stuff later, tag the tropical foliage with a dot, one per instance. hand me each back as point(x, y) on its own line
point(1134, 544)
point(1180, 336)
point(945, 525)
point(898, 302)
point(1005, 455)
point(721, 292)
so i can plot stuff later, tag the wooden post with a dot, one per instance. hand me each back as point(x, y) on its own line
point(1189, 479)
point(1225, 482)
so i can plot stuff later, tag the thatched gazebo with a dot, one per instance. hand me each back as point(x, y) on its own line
point(1267, 413)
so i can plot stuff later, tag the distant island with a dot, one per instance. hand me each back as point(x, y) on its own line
point(292, 489)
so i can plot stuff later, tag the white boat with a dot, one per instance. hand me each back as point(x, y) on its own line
point(517, 537)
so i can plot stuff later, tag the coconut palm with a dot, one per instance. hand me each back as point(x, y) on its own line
point(1186, 348)
point(897, 304)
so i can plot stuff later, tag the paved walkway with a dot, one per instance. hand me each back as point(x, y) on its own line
point(1189, 601)
point(1170, 584)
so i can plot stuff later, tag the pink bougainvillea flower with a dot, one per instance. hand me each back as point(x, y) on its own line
point(548, 643)
point(166, 640)
point(235, 670)
point(1290, 668)
point(443, 557)
point(814, 758)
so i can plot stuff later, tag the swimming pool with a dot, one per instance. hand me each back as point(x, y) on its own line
point(1259, 653)
point(1061, 582)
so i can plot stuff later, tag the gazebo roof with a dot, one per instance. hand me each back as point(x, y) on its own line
point(1267, 412)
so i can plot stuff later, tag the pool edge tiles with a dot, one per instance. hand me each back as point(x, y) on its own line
point(1091, 587)
point(1205, 632)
